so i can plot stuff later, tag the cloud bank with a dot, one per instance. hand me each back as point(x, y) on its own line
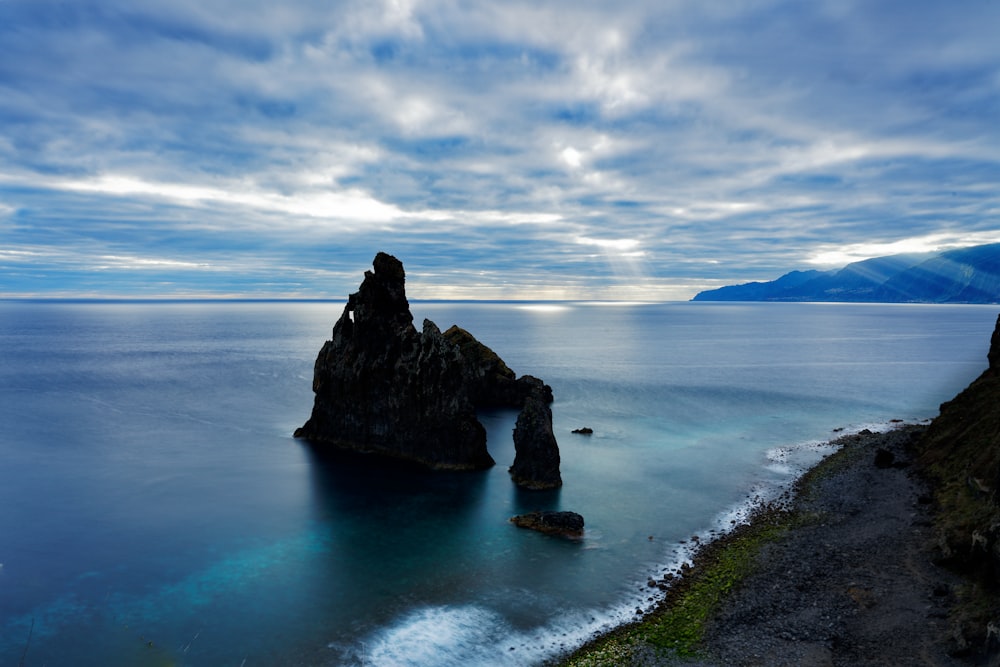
point(594, 150)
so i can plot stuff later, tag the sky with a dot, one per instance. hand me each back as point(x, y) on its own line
point(626, 150)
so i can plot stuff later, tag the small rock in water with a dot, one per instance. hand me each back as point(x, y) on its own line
point(554, 523)
point(586, 430)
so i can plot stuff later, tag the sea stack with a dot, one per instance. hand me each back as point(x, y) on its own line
point(384, 388)
point(536, 454)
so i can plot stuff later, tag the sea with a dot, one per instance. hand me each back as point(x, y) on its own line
point(155, 509)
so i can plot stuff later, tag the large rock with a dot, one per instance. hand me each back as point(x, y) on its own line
point(536, 454)
point(384, 388)
point(489, 381)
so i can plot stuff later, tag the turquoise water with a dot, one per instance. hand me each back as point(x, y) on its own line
point(155, 510)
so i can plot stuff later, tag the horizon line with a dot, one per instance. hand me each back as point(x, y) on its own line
point(231, 299)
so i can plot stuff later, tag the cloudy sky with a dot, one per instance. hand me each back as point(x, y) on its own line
point(591, 150)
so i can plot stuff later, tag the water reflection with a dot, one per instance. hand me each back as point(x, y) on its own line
point(385, 493)
point(530, 501)
point(401, 529)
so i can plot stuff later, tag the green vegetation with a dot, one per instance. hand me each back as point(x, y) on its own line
point(677, 626)
point(960, 453)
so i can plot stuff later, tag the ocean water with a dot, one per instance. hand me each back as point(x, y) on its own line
point(154, 509)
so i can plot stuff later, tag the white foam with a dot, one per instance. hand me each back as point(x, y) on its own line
point(474, 635)
point(450, 635)
point(440, 636)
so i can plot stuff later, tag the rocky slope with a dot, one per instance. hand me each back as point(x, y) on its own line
point(961, 456)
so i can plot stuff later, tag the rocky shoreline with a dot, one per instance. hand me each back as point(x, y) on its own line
point(845, 575)
point(854, 582)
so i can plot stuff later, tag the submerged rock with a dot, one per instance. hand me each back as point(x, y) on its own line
point(384, 388)
point(553, 523)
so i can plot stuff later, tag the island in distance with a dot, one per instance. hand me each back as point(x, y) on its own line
point(964, 275)
point(383, 388)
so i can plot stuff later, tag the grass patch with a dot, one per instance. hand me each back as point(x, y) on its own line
point(680, 627)
point(677, 626)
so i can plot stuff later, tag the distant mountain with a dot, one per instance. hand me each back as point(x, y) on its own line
point(966, 275)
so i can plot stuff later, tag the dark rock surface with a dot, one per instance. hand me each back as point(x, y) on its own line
point(536, 458)
point(569, 524)
point(488, 379)
point(384, 388)
point(884, 458)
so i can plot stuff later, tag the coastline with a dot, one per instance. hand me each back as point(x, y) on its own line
point(838, 571)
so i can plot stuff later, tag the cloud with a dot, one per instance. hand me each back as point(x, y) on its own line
point(350, 205)
point(291, 141)
point(843, 255)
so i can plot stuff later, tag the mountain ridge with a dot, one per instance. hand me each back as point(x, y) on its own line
point(962, 275)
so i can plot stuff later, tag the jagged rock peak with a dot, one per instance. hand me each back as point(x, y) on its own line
point(381, 299)
point(383, 388)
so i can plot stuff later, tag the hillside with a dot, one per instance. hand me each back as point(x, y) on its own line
point(965, 275)
point(960, 453)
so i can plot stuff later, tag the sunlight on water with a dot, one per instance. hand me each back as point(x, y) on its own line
point(543, 307)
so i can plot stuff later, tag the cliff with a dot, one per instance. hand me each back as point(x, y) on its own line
point(381, 387)
point(960, 453)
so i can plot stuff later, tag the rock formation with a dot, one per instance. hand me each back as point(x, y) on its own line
point(384, 388)
point(569, 524)
point(536, 454)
